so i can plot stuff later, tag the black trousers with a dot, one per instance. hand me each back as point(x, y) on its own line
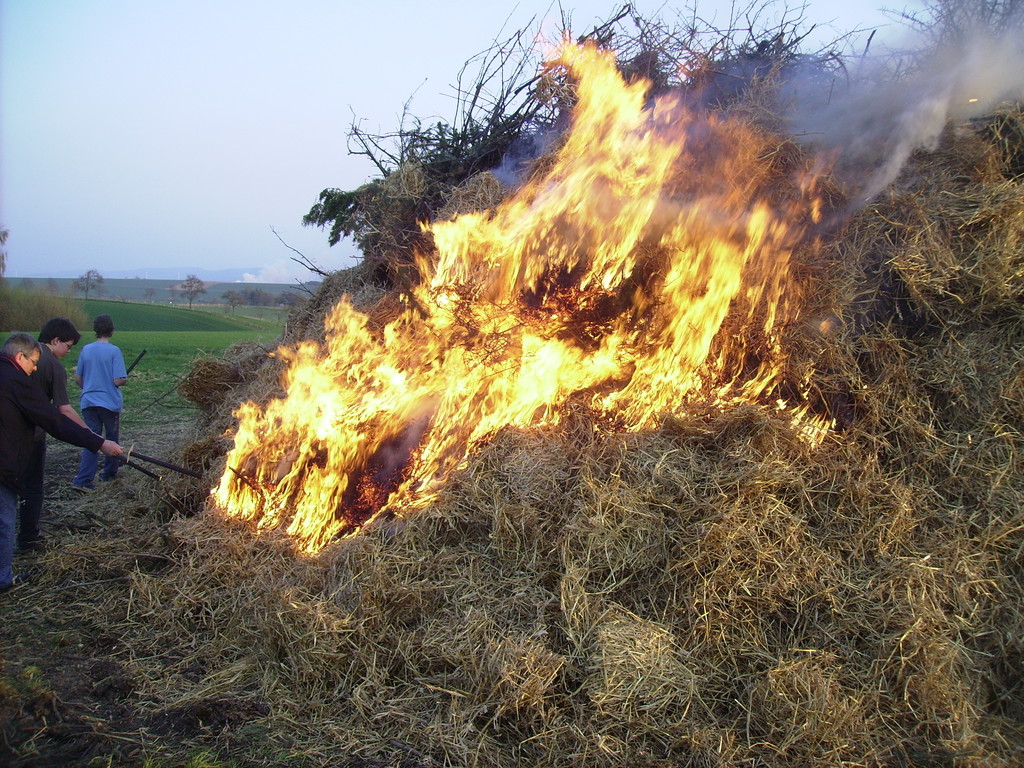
point(30, 505)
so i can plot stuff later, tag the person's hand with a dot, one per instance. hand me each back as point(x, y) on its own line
point(110, 448)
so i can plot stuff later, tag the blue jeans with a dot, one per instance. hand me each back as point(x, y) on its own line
point(8, 512)
point(102, 422)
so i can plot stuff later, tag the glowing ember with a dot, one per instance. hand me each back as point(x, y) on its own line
point(644, 272)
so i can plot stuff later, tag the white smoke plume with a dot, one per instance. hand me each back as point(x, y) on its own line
point(872, 124)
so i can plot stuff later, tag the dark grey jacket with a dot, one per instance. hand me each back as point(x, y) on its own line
point(23, 407)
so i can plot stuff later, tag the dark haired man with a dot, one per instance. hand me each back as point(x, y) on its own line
point(57, 337)
point(100, 373)
point(23, 407)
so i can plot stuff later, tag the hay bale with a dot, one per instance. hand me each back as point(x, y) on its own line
point(361, 284)
point(527, 672)
point(408, 180)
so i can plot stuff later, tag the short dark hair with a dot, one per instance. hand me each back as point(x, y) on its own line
point(19, 343)
point(59, 328)
point(103, 325)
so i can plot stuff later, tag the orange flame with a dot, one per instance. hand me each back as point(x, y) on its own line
point(643, 272)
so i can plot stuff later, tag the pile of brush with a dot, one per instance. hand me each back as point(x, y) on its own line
point(713, 592)
point(716, 591)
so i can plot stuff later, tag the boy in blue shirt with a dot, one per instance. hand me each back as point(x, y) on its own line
point(101, 373)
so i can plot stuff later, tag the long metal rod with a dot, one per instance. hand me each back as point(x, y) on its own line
point(164, 464)
point(142, 469)
point(135, 361)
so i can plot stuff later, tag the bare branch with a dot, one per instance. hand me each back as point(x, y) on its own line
point(302, 260)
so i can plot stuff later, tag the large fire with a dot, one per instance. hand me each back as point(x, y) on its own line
point(648, 270)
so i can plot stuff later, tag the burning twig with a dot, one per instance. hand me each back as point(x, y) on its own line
point(246, 480)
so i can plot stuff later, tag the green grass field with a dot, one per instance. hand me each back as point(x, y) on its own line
point(172, 338)
point(132, 316)
point(168, 358)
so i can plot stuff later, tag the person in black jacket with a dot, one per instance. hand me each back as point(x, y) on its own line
point(56, 339)
point(23, 407)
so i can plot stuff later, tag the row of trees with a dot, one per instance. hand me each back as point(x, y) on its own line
point(192, 287)
point(258, 297)
point(91, 282)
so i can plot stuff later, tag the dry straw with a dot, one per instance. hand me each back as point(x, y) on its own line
point(481, 192)
point(714, 592)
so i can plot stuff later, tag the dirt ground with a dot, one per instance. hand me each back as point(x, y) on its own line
point(67, 696)
point(66, 699)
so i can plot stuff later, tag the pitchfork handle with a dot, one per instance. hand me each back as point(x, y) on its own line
point(164, 464)
point(135, 362)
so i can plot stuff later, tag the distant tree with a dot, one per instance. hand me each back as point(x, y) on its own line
point(191, 288)
point(149, 294)
point(28, 283)
point(90, 281)
point(288, 299)
point(3, 251)
point(257, 297)
point(234, 299)
point(51, 287)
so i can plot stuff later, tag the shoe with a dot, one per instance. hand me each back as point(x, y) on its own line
point(36, 545)
point(17, 581)
point(82, 488)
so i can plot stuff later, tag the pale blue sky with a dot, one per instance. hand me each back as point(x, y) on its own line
point(139, 134)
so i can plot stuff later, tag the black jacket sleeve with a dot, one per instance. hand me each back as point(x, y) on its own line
point(46, 415)
point(28, 398)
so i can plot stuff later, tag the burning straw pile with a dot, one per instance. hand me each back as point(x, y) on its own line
point(720, 587)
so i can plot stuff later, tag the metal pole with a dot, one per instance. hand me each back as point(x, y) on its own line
point(165, 464)
point(136, 361)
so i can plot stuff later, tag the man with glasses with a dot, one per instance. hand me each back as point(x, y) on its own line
point(23, 408)
point(57, 338)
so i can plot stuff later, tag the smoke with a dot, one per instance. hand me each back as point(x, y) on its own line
point(516, 162)
point(867, 118)
point(279, 272)
point(870, 125)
